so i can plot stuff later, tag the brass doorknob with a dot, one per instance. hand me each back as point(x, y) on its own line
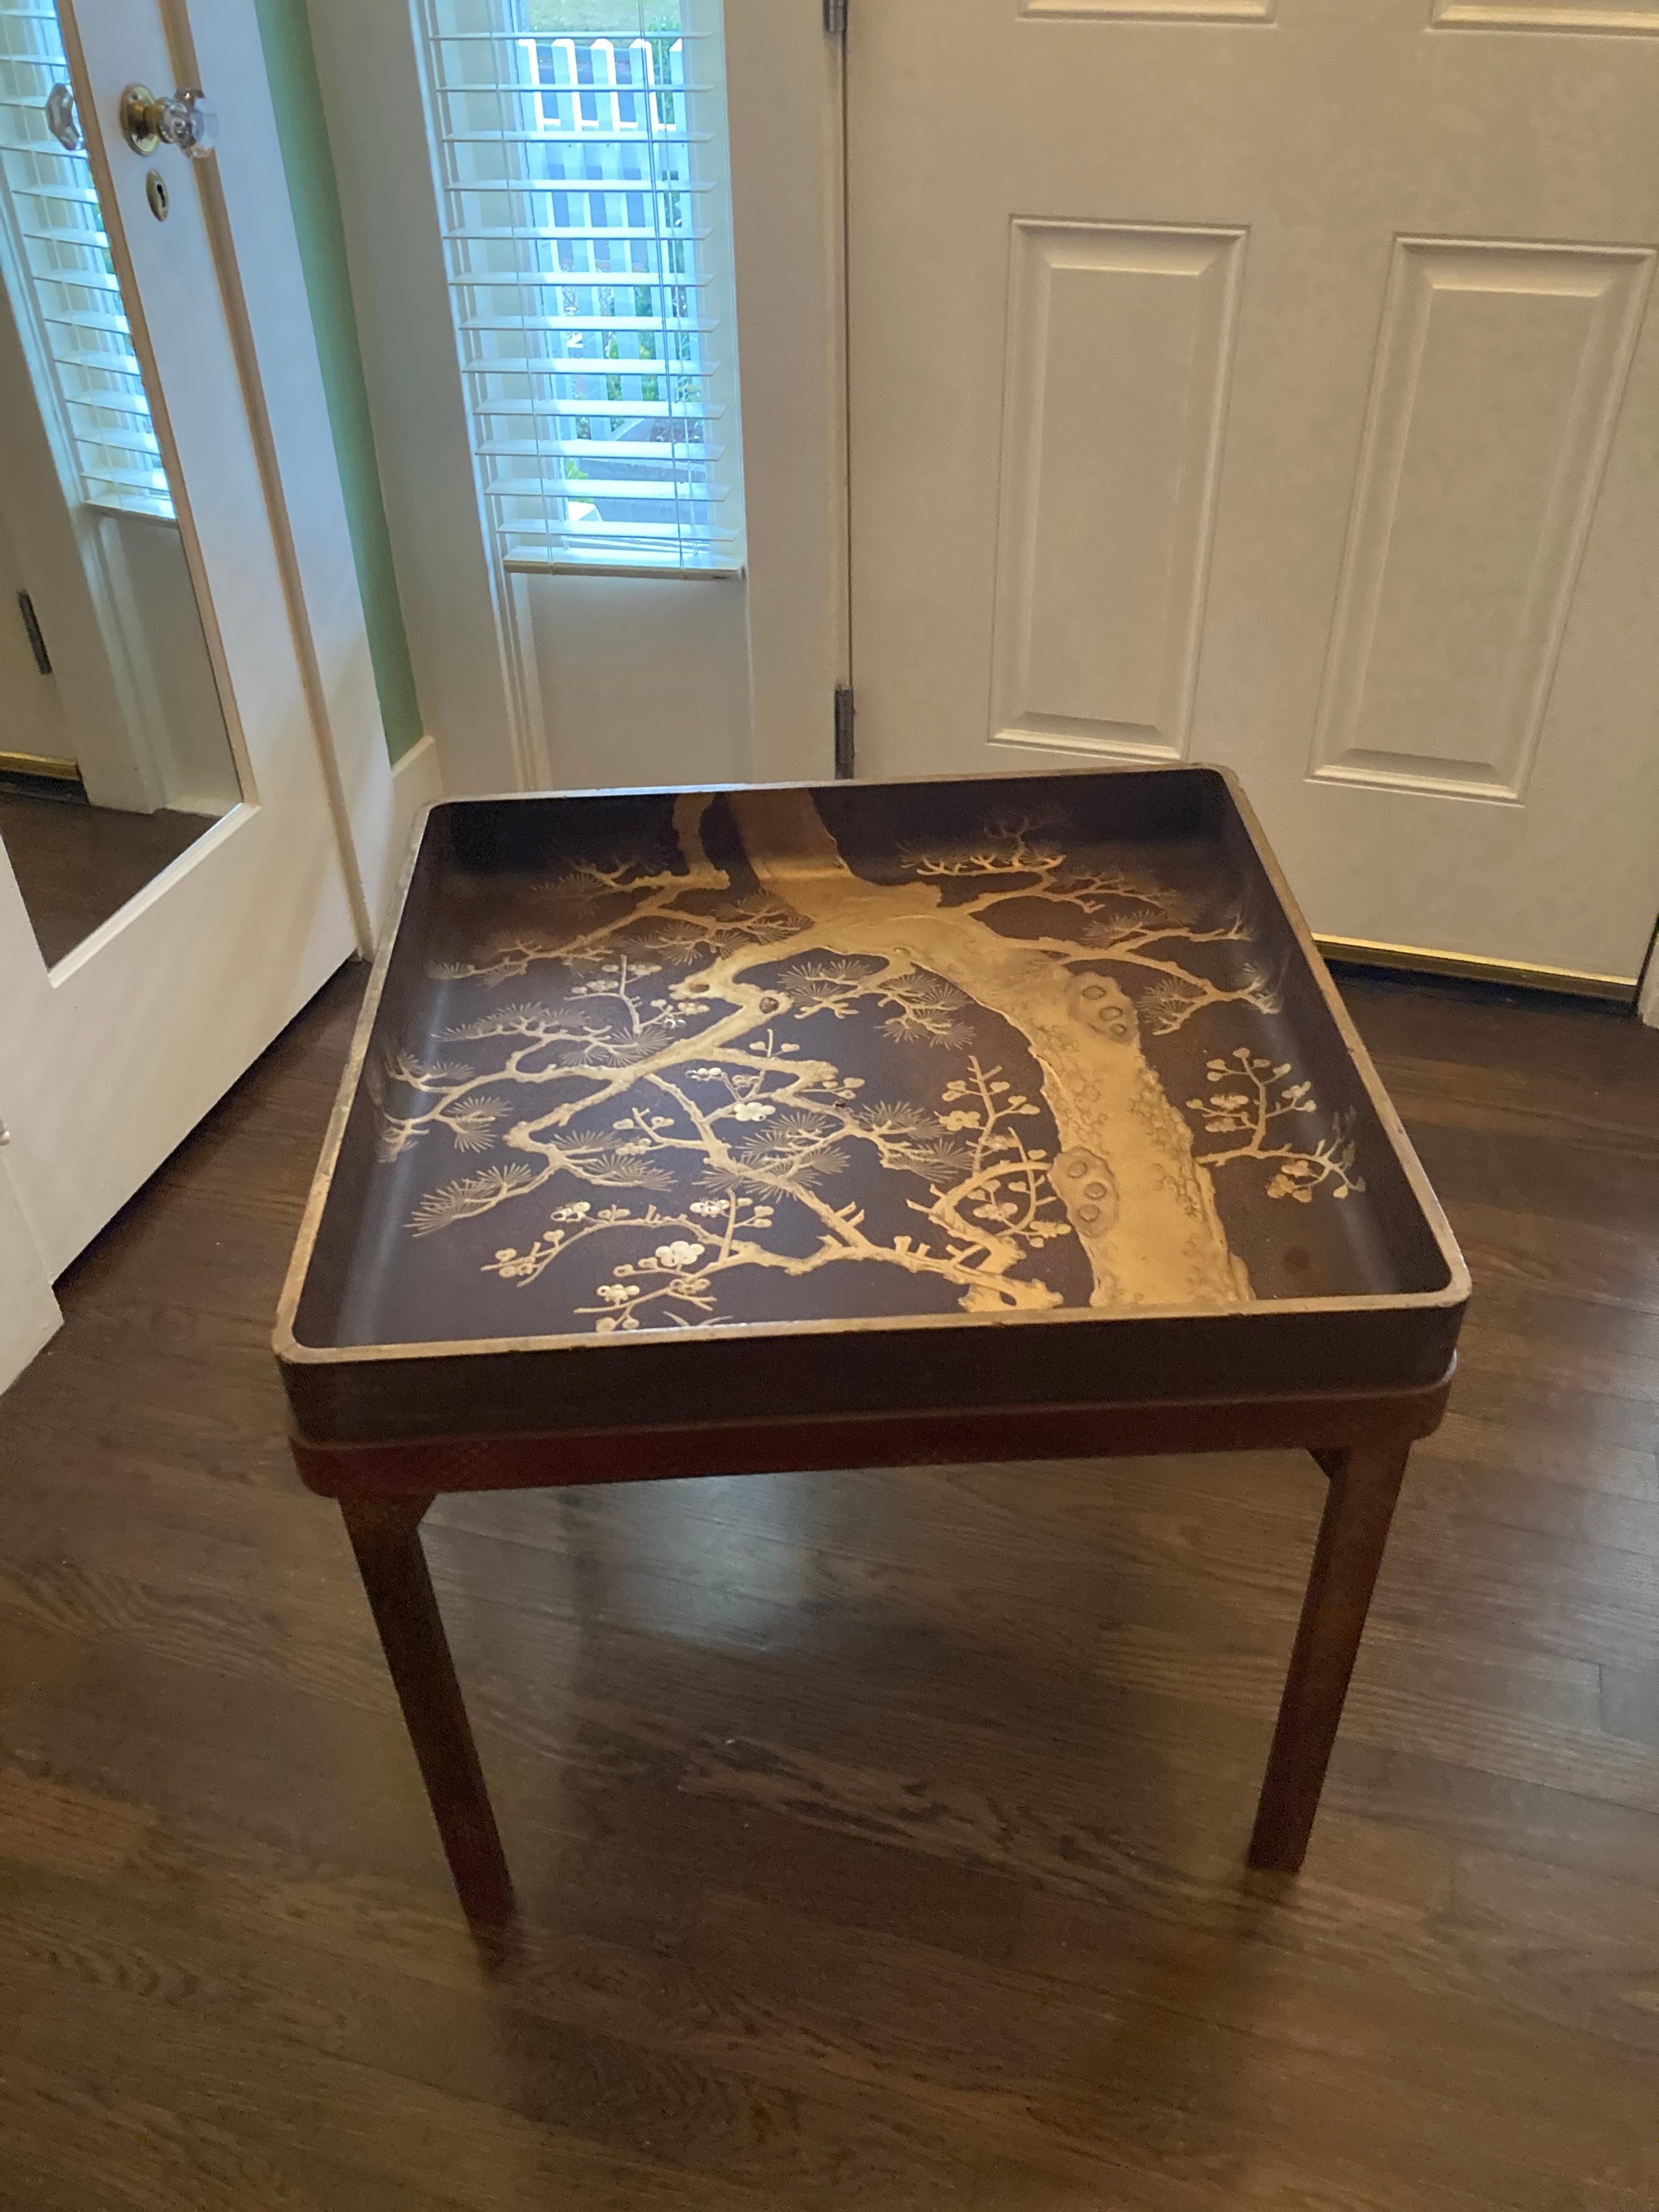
point(181, 119)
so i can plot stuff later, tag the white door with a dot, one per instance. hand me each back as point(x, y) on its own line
point(110, 1052)
point(1272, 382)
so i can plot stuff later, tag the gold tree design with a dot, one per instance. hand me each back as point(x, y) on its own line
point(1128, 916)
point(633, 1072)
point(989, 1198)
point(1251, 1112)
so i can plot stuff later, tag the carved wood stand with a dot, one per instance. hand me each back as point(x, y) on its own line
point(384, 1489)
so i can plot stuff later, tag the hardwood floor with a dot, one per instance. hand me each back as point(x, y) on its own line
point(76, 865)
point(880, 1837)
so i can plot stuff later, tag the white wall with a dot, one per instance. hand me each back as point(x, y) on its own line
point(638, 681)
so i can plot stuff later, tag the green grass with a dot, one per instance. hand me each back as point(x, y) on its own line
point(625, 18)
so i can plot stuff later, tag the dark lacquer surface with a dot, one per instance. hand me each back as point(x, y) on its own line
point(645, 1066)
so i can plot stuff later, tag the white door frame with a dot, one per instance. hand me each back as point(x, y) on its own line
point(785, 85)
point(783, 98)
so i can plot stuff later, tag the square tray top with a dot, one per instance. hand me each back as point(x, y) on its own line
point(792, 1101)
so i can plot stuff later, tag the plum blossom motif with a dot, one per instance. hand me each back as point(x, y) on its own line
point(680, 1257)
point(1251, 1113)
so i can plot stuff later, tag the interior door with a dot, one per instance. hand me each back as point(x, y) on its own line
point(1273, 382)
point(123, 1018)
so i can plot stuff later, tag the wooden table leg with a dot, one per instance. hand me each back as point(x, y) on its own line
point(386, 1537)
point(1364, 1484)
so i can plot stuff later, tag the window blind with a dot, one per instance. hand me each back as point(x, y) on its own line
point(581, 148)
point(71, 295)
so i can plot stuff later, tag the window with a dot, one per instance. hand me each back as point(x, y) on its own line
point(64, 281)
point(580, 147)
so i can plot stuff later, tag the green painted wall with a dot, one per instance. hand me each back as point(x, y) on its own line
point(312, 189)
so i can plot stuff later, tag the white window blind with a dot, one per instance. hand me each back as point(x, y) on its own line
point(580, 147)
point(64, 288)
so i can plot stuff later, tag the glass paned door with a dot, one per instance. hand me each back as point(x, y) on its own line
point(158, 928)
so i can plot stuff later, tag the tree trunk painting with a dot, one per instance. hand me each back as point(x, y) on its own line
point(1143, 1211)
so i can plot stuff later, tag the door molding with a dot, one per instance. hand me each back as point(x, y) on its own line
point(785, 89)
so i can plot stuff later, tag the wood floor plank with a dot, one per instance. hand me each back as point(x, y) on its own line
point(681, 2126)
point(1519, 1447)
point(1476, 1024)
point(1556, 1104)
point(1630, 1704)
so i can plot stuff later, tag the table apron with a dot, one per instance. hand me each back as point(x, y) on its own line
point(424, 1466)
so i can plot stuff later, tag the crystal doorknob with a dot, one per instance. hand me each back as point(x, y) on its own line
point(182, 119)
point(62, 120)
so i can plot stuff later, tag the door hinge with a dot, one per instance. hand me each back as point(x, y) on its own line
point(32, 624)
point(845, 712)
point(834, 18)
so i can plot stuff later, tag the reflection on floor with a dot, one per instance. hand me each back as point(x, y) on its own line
point(76, 865)
point(879, 1837)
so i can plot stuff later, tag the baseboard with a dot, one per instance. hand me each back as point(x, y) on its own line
point(417, 781)
point(1470, 968)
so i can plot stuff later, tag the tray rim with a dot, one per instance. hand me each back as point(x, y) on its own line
point(292, 1352)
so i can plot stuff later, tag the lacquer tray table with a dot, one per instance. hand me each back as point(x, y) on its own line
point(874, 1125)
